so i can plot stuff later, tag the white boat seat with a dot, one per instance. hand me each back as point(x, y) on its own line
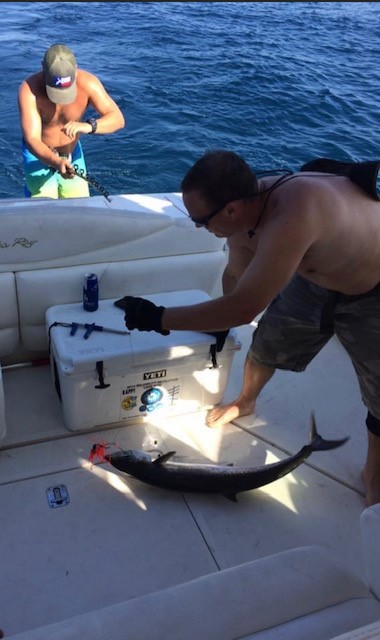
point(136, 244)
point(297, 594)
point(368, 632)
point(2, 409)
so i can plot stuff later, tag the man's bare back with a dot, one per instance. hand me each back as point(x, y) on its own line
point(323, 227)
point(344, 231)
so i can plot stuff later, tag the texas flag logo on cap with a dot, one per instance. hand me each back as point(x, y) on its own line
point(62, 82)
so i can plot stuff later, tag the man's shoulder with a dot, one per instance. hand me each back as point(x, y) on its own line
point(33, 83)
point(86, 78)
point(301, 190)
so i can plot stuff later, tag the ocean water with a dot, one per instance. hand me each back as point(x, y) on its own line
point(277, 82)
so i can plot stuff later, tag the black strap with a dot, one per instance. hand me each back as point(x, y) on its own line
point(363, 174)
point(218, 345)
point(100, 369)
point(213, 356)
point(327, 314)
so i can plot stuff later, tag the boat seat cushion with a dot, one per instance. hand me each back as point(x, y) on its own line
point(2, 409)
point(9, 325)
point(368, 632)
point(370, 531)
point(39, 289)
point(137, 244)
point(296, 594)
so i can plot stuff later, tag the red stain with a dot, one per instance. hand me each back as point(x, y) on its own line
point(98, 451)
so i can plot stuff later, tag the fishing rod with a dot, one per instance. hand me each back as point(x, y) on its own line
point(94, 183)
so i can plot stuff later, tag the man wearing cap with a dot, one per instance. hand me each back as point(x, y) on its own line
point(52, 103)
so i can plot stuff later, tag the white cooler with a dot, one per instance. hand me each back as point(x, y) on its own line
point(109, 378)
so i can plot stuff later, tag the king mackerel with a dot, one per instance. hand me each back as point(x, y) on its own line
point(205, 478)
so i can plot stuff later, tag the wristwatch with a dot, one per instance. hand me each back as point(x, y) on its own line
point(93, 123)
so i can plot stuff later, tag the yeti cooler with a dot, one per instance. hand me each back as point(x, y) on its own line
point(104, 377)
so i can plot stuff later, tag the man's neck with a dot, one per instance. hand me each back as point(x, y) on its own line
point(255, 210)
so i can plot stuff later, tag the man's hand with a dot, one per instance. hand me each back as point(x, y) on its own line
point(141, 314)
point(220, 338)
point(73, 128)
point(65, 168)
point(218, 345)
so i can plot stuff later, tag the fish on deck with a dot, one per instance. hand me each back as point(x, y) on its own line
point(207, 478)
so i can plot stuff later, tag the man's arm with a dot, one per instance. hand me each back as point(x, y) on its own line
point(239, 257)
point(111, 118)
point(281, 247)
point(280, 250)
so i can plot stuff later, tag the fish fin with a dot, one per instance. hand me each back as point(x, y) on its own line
point(321, 444)
point(230, 496)
point(165, 457)
point(313, 427)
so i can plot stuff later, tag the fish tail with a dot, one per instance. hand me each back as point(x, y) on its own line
point(318, 443)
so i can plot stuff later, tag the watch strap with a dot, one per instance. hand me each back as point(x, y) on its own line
point(93, 123)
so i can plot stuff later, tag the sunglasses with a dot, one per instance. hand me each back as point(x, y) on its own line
point(204, 222)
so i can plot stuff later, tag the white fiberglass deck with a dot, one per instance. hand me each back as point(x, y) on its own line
point(119, 538)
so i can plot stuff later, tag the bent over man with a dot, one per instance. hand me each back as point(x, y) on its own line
point(305, 247)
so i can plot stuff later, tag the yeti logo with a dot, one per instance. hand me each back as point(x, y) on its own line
point(153, 375)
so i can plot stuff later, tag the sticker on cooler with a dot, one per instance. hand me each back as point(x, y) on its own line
point(144, 398)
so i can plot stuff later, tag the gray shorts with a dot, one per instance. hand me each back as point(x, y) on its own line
point(303, 318)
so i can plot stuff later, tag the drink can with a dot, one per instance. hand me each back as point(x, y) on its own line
point(90, 292)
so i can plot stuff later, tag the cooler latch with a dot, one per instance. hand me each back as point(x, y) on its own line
point(100, 369)
point(219, 344)
point(213, 356)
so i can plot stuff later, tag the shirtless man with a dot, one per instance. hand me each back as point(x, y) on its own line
point(51, 104)
point(305, 245)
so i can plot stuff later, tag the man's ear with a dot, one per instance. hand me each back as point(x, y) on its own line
point(233, 210)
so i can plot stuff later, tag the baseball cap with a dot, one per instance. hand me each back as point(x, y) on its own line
point(60, 66)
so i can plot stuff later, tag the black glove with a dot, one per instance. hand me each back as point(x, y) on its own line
point(141, 314)
point(220, 338)
point(218, 346)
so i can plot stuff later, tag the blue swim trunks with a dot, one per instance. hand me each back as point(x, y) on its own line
point(42, 181)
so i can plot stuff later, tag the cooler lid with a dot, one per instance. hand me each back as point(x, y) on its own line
point(75, 353)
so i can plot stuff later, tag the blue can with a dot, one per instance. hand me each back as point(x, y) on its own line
point(90, 292)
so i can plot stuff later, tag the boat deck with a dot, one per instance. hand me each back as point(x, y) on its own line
point(119, 538)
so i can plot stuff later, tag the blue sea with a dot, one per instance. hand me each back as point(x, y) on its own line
point(277, 82)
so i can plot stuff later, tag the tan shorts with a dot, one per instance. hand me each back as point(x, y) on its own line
point(303, 318)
